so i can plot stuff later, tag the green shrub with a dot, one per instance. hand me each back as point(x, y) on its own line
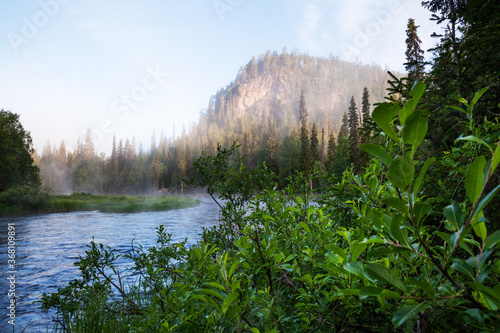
point(277, 263)
point(24, 197)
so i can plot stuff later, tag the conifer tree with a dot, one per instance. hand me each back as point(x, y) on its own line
point(322, 147)
point(343, 151)
point(305, 149)
point(365, 133)
point(332, 149)
point(344, 128)
point(354, 134)
point(315, 156)
point(414, 54)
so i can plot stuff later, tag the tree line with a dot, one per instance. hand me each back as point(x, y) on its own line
point(260, 109)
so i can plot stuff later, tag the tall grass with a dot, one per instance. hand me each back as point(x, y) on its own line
point(30, 202)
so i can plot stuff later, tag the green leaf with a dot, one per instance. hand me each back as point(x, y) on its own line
point(463, 101)
point(354, 268)
point(474, 179)
point(338, 250)
point(228, 300)
point(417, 90)
point(415, 129)
point(348, 292)
point(401, 235)
point(254, 330)
point(492, 240)
point(456, 108)
point(211, 293)
point(421, 175)
point(472, 138)
point(397, 203)
point(356, 249)
point(477, 96)
point(408, 312)
point(479, 226)
point(420, 210)
point(383, 115)
point(485, 201)
point(422, 284)
point(454, 215)
point(383, 274)
point(305, 227)
point(234, 267)
point(386, 293)
point(496, 158)
point(401, 172)
point(369, 292)
point(216, 285)
point(463, 267)
point(377, 151)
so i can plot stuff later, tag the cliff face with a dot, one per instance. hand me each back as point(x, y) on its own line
point(267, 90)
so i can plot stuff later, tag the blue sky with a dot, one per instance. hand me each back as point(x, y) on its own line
point(128, 68)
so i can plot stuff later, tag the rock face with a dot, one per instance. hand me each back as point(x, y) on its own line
point(269, 89)
point(263, 100)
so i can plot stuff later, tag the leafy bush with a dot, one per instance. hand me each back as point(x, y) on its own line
point(278, 263)
point(24, 197)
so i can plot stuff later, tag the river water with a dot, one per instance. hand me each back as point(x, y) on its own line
point(47, 246)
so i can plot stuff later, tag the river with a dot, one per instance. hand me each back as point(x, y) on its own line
point(47, 246)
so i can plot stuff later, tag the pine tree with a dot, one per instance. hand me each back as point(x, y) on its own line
point(343, 149)
point(354, 134)
point(344, 128)
point(322, 147)
point(365, 133)
point(414, 54)
point(332, 149)
point(305, 148)
point(315, 156)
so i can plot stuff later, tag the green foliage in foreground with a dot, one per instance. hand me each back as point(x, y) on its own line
point(28, 200)
point(277, 263)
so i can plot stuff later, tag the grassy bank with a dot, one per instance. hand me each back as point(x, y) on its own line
point(28, 203)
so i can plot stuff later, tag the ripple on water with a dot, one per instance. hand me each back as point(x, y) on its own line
point(48, 245)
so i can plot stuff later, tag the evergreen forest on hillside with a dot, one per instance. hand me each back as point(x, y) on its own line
point(260, 109)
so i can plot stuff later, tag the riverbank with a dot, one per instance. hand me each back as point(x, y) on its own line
point(50, 203)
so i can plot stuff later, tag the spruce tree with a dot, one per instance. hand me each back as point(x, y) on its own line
point(332, 149)
point(414, 54)
point(343, 149)
point(305, 151)
point(315, 156)
point(354, 135)
point(364, 132)
point(344, 128)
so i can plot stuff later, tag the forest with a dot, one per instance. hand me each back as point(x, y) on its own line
point(260, 109)
point(383, 220)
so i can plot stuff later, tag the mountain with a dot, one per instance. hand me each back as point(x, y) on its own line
point(263, 100)
point(259, 109)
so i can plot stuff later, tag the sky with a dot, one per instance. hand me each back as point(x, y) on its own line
point(129, 68)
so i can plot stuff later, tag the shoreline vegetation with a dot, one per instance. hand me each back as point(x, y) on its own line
point(22, 202)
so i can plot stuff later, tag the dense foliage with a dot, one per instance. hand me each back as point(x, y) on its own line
point(16, 164)
point(278, 263)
